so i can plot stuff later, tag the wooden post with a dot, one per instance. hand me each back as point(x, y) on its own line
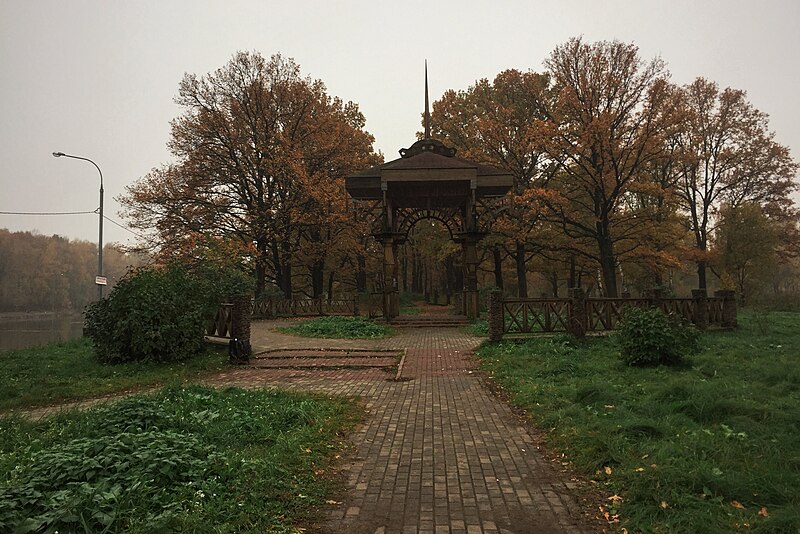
point(728, 296)
point(470, 254)
point(239, 350)
point(495, 315)
point(578, 322)
point(355, 305)
point(700, 308)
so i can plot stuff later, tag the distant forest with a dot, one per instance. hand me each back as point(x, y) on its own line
point(53, 273)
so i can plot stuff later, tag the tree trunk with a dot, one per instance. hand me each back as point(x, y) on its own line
point(522, 272)
point(554, 283)
point(701, 275)
point(331, 278)
point(361, 274)
point(608, 268)
point(317, 278)
point(498, 267)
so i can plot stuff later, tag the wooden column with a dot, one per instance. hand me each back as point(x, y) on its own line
point(470, 255)
point(391, 297)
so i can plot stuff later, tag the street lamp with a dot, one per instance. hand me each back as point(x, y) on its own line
point(100, 239)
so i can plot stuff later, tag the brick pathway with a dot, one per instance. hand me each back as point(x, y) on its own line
point(438, 452)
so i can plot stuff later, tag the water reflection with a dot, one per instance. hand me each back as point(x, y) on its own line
point(19, 332)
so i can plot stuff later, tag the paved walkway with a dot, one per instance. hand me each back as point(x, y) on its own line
point(438, 453)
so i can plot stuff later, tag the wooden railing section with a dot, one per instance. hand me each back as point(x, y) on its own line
point(272, 308)
point(578, 315)
point(222, 324)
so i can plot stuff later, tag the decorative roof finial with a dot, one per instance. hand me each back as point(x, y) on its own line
point(427, 107)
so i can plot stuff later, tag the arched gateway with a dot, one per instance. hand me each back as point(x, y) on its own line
point(429, 181)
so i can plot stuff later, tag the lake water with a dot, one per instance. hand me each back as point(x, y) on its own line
point(34, 330)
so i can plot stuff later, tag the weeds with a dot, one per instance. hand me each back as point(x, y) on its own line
point(179, 460)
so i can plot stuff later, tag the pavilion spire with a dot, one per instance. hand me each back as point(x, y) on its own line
point(427, 107)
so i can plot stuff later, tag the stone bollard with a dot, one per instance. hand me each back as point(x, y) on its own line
point(495, 315)
point(578, 322)
point(239, 349)
point(700, 308)
point(728, 296)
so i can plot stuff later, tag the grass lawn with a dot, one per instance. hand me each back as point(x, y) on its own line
point(186, 459)
point(713, 446)
point(68, 371)
point(337, 327)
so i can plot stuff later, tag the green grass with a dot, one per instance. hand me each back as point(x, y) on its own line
point(478, 328)
point(190, 459)
point(683, 447)
point(338, 328)
point(68, 371)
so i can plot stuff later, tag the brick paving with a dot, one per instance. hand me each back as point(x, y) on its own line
point(438, 453)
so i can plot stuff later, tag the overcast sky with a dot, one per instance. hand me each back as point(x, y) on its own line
point(97, 78)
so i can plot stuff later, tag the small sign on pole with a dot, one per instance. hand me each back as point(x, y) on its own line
point(101, 280)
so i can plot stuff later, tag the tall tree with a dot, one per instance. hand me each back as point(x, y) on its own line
point(607, 123)
point(728, 156)
point(497, 123)
point(260, 152)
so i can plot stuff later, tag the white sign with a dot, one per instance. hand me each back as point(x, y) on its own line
point(101, 280)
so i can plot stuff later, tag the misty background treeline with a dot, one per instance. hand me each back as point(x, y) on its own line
point(53, 273)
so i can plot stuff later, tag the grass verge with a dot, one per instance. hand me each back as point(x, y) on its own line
point(335, 327)
point(710, 447)
point(68, 371)
point(182, 460)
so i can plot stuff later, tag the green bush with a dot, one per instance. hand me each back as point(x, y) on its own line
point(648, 337)
point(152, 314)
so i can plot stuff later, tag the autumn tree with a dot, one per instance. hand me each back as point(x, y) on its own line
point(728, 156)
point(496, 122)
point(260, 152)
point(607, 123)
point(745, 248)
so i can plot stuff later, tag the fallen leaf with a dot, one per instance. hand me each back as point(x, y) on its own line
point(664, 505)
point(610, 406)
point(763, 512)
point(653, 466)
point(737, 504)
point(308, 451)
point(639, 469)
point(615, 498)
point(331, 501)
point(645, 456)
point(608, 470)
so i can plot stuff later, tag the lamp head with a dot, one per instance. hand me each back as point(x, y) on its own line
point(57, 154)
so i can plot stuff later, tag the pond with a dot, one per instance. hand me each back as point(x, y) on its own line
point(19, 331)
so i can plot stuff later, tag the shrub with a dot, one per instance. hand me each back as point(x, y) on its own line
point(152, 314)
point(648, 337)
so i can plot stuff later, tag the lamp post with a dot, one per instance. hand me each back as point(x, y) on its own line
point(100, 238)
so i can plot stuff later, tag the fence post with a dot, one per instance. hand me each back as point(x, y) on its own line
point(728, 297)
point(355, 306)
point(700, 305)
point(577, 312)
point(495, 315)
point(239, 348)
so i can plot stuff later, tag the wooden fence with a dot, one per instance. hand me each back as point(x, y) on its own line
point(578, 315)
point(272, 308)
point(222, 326)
